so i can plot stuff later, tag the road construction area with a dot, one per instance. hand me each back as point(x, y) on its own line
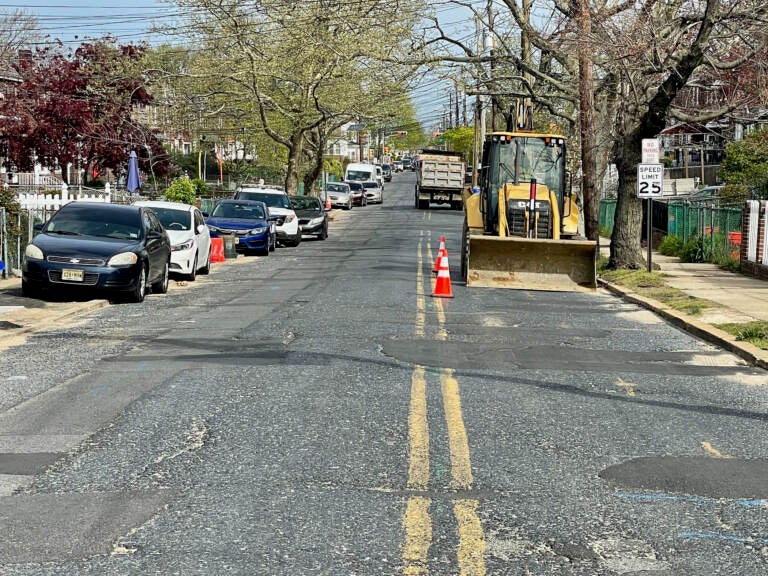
point(332, 410)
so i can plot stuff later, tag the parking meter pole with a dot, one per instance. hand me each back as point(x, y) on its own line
point(649, 237)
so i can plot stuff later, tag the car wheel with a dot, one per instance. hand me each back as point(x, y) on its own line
point(324, 234)
point(161, 286)
point(348, 206)
point(140, 290)
point(193, 273)
point(272, 243)
point(30, 290)
point(207, 268)
point(264, 252)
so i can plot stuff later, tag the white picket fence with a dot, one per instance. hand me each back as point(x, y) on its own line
point(35, 201)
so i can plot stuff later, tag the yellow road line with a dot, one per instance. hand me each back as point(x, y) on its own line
point(471, 540)
point(629, 388)
point(418, 432)
point(418, 536)
point(420, 300)
point(712, 451)
point(442, 334)
point(458, 445)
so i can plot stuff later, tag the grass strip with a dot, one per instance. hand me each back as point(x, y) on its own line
point(755, 332)
point(652, 285)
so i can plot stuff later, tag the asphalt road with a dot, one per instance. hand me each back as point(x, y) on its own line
point(317, 412)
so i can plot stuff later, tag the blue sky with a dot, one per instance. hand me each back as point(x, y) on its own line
point(129, 21)
point(70, 20)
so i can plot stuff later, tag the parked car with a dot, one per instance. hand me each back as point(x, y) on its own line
point(398, 164)
point(189, 235)
point(386, 172)
point(313, 218)
point(249, 221)
point(358, 193)
point(708, 193)
point(339, 194)
point(288, 231)
point(373, 192)
point(111, 248)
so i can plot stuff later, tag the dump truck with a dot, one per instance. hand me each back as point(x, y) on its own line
point(521, 229)
point(439, 179)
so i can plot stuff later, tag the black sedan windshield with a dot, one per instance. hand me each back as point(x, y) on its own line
point(95, 222)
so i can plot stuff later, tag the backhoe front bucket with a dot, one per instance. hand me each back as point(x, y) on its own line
point(532, 264)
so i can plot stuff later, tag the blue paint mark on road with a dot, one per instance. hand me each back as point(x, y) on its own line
point(744, 503)
point(726, 537)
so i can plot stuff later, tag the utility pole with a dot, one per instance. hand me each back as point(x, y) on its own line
point(587, 122)
point(492, 53)
point(479, 111)
point(458, 120)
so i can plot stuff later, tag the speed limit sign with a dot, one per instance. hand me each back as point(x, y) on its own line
point(650, 180)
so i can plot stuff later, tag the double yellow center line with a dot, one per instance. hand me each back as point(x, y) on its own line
point(417, 523)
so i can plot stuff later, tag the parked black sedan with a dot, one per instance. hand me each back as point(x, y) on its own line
point(108, 248)
point(313, 218)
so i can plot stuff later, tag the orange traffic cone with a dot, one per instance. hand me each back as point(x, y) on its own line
point(443, 282)
point(440, 253)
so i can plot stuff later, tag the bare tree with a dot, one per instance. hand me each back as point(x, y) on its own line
point(18, 30)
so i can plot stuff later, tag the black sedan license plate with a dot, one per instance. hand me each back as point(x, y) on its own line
point(72, 275)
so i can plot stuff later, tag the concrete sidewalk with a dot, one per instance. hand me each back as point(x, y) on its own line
point(740, 299)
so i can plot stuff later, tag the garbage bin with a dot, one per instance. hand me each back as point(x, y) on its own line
point(230, 252)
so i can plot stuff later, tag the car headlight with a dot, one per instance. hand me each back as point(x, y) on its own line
point(123, 259)
point(315, 221)
point(32, 252)
point(183, 246)
point(290, 218)
point(259, 230)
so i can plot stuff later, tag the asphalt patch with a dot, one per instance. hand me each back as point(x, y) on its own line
point(60, 527)
point(27, 464)
point(694, 475)
point(507, 356)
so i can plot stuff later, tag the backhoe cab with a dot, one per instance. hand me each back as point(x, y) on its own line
point(522, 229)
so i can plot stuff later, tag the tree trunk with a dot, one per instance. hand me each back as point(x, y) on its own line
point(314, 151)
point(292, 164)
point(626, 249)
point(587, 126)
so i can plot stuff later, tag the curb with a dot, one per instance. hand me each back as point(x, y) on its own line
point(744, 350)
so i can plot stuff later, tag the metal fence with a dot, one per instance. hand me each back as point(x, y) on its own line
point(717, 225)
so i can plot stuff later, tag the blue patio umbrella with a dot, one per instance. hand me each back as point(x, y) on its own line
point(133, 182)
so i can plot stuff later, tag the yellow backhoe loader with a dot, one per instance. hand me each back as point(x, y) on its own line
point(521, 230)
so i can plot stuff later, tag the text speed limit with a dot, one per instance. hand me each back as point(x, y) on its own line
point(650, 180)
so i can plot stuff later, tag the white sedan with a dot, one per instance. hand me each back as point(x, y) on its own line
point(373, 192)
point(339, 194)
point(189, 235)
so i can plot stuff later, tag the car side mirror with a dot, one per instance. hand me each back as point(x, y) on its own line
point(201, 228)
point(38, 227)
point(154, 235)
point(273, 218)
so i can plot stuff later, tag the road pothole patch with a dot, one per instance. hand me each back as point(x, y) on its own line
point(694, 475)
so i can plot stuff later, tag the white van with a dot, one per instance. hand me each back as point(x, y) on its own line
point(357, 172)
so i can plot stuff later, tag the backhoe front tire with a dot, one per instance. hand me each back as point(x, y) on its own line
point(464, 251)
